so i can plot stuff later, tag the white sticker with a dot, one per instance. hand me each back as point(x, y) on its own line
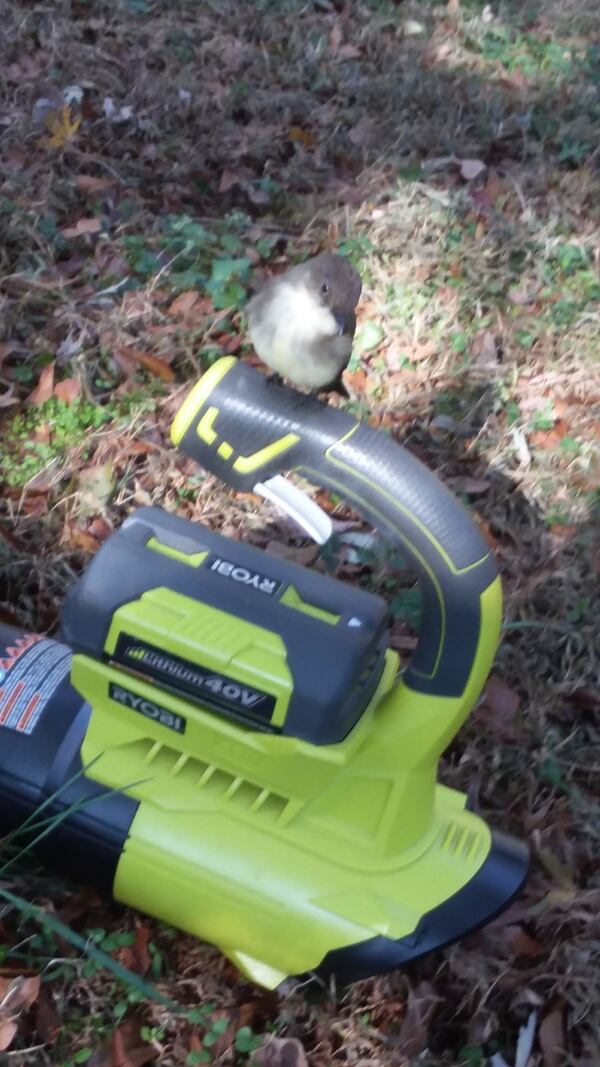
point(31, 669)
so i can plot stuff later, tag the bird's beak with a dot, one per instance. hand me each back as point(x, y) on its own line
point(345, 321)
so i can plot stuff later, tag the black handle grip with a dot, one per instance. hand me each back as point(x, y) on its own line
point(245, 429)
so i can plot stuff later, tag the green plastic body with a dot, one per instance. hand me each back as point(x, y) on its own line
point(277, 850)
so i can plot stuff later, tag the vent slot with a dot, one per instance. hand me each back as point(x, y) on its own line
point(214, 782)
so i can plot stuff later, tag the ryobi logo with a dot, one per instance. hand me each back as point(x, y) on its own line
point(146, 707)
point(227, 569)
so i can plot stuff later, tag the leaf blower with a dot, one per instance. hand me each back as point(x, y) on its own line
point(223, 739)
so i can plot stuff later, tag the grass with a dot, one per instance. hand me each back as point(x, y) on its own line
point(206, 147)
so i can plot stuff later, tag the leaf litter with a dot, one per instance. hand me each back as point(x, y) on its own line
point(449, 150)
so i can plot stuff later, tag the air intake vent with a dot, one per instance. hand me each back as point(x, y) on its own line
point(460, 841)
point(214, 782)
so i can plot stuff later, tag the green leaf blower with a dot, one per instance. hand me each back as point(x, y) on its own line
point(225, 738)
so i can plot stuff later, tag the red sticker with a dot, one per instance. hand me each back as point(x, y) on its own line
point(31, 669)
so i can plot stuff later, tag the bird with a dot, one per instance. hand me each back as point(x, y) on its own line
point(302, 322)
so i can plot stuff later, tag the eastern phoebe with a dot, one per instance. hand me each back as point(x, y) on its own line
point(302, 323)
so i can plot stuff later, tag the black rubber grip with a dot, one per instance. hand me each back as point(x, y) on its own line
point(268, 428)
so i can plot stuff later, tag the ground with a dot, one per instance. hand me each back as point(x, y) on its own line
point(157, 160)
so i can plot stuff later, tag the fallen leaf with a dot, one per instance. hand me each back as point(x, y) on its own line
point(122, 1056)
point(100, 528)
point(369, 335)
point(232, 344)
point(420, 1010)
point(301, 136)
point(68, 390)
point(497, 708)
point(156, 366)
point(559, 872)
point(484, 349)
point(423, 350)
point(280, 1052)
point(80, 540)
point(88, 183)
point(521, 295)
point(83, 226)
point(587, 699)
point(336, 35)
point(471, 169)
point(26, 992)
point(471, 486)
point(8, 398)
point(412, 28)
point(229, 179)
point(349, 51)
point(124, 361)
point(47, 1017)
point(356, 379)
point(550, 438)
point(551, 1037)
point(361, 134)
point(62, 128)
point(142, 959)
point(183, 304)
point(520, 944)
point(8, 1029)
point(44, 388)
point(95, 484)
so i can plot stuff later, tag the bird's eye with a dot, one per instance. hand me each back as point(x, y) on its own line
point(324, 287)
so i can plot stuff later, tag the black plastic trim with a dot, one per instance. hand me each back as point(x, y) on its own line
point(496, 884)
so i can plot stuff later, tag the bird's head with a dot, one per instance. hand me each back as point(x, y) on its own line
point(334, 284)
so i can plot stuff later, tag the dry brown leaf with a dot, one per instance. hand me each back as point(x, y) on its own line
point(125, 362)
point(156, 366)
point(471, 486)
point(587, 699)
point(24, 992)
point(524, 294)
point(498, 707)
point(44, 388)
point(301, 136)
point(47, 1017)
point(183, 304)
point(229, 179)
point(420, 1010)
point(550, 438)
point(232, 344)
point(83, 226)
point(68, 390)
point(356, 379)
point(484, 350)
point(88, 183)
point(122, 1056)
point(520, 944)
point(361, 134)
point(349, 51)
point(280, 1052)
point(100, 528)
point(8, 398)
point(423, 350)
point(8, 1029)
point(335, 37)
point(551, 1037)
point(142, 959)
point(95, 485)
point(80, 540)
